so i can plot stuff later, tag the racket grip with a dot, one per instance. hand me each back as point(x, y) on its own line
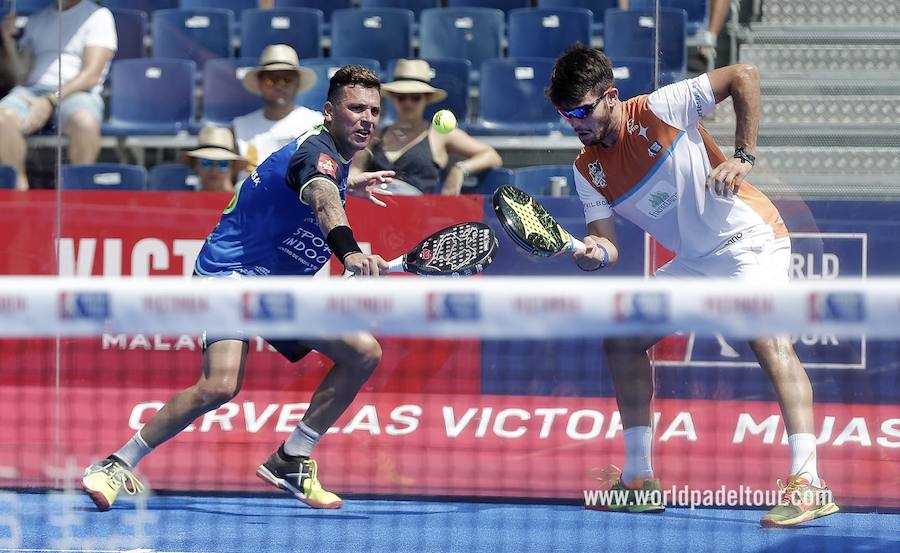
point(576, 244)
point(394, 266)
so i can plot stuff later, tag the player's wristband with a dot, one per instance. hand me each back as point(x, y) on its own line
point(53, 97)
point(603, 262)
point(340, 240)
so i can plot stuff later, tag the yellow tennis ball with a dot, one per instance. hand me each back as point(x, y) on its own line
point(443, 121)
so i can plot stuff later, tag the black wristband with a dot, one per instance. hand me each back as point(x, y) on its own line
point(340, 240)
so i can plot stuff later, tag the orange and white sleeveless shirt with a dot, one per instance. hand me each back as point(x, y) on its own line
point(655, 176)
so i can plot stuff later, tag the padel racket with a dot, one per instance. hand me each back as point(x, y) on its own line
point(457, 250)
point(530, 225)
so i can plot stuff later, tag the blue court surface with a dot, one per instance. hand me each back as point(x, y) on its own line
point(67, 522)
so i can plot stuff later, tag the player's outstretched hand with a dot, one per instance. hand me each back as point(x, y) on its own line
point(369, 183)
point(363, 264)
point(727, 177)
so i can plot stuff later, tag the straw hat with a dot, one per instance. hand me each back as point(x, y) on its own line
point(215, 143)
point(413, 77)
point(279, 57)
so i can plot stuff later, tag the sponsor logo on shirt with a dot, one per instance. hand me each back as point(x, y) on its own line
point(661, 199)
point(327, 165)
point(654, 149)
point(598, 175)
point(698, 99)
point(631, 126)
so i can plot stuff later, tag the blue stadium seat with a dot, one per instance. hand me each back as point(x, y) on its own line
point(474, 34)
point(503, 5)
point(634, 76)
point(103, 176)
point(299, 28)
point(546, 32)
point(597, 7)
point(173, 177)
point(697, 11)
point(451, 75)
point(131, 29)
point(326, 6)
point(512, 98)
point(196, 35)
point(491, 180)
point(7, 176)
point(536, 180)
point(315, 97)
point(378, 33)
point(146, 6)
point(415, 6)
point(224, 96)
point(236, 6)
point(631, 34)
point(150, 96)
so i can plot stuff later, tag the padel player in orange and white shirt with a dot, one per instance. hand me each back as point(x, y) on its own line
point(648, 160)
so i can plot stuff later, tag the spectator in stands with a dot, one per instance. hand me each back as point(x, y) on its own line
point(7, 46)
point(278, 79)
point(216, 160)
point(89, 35)
point(418, 154)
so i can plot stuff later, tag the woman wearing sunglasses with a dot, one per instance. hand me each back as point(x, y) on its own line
point(215, 160)
point(420, 156)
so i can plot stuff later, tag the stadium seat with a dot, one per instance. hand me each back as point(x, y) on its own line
point(150, 96)
point(546, 32)
point(236, 6)
point(491, 180)
point(415, 6)
point(196, 35)
point(512, 98)
point(315, 97)
point(327, 7)
point(631, 34)
point(103, 176)
point(7, 176)
point(536, 180)
point(503, 5)
point(173, 177)
point(597, 7)
point(474, 34)
point(633, 76)
point(697, 11)
point(146, 6)
point(299, 28)
point(378, 33)
point(451, 75)
point(131, 29)
point(224, 96)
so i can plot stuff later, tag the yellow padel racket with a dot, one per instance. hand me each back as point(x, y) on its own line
point(530, 225)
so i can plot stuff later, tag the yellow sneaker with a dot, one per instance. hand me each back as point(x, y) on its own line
point(299, 477)
point(103, 480)
point(800, 502)
point(641, 495)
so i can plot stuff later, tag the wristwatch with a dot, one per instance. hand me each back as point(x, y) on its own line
point(740, 154)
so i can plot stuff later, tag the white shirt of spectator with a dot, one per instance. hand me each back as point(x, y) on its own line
point(85, 24)
point(258, 137)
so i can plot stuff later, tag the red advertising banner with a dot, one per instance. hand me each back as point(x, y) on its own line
point(421, 424)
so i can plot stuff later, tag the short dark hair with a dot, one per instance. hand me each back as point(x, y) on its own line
point(349, 75)
point(578, 71)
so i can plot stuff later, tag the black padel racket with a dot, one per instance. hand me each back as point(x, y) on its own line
point(530, 225)
point(461, 249)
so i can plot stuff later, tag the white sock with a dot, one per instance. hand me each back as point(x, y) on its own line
point(638, 441)
point(803, 456)
point(134, 450)
point(302, 441)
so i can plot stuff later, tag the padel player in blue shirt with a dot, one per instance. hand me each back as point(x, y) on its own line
point(287, 219)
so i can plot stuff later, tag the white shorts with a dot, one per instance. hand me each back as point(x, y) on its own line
point(760, 260)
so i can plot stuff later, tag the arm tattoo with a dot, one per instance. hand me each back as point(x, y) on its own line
point(325, 200)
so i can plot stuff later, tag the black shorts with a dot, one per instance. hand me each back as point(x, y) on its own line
point(292, 350)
